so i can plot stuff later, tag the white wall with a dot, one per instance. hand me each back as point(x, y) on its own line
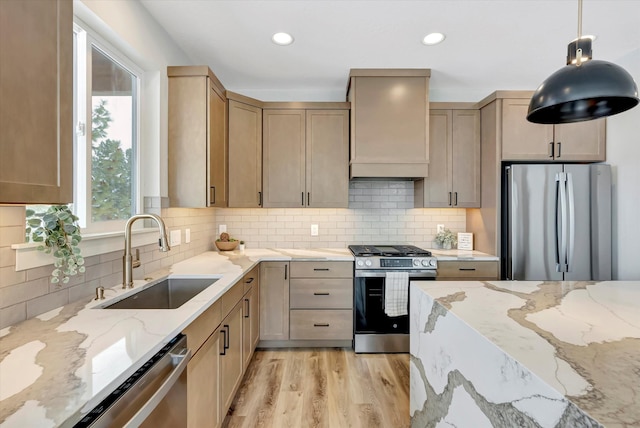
point(623, 153)
point(129, 27)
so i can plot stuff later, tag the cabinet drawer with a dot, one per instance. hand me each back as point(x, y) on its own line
point(231, 297)
point(321, 293)
point(467, 269)
point(321, 324)
point(202, 327)
point(251, 278)
point(321, 269)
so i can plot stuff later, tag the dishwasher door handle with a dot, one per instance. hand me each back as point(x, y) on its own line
point(183, 357)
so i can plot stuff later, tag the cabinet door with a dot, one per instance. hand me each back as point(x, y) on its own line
point(250, 324)
point(274, 301)
point(202, 384)
point(465, 153)
point(36, 101)
point(231, 357)
point(582, 141)
point(521, 139)
point(284, 158)
point(435, 190)
point(188, 149)
point(254, 313)
point(245, 155)
point(327, 158)
point(218, 155)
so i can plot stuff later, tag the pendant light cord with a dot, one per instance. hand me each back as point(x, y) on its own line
point(579, 51)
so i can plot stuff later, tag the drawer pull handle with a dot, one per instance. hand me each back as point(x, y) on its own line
point(321, 269)
point(321, 325)
point(320, 294)
point(466, 268)
point(249, 281)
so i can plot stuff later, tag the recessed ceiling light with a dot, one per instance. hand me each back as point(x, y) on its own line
point(433, 39)
point(282, 39)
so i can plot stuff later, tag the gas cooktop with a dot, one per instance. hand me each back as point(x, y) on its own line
point(388, 251)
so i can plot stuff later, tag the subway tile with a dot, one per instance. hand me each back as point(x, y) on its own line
point(10, 235)
point(13, 216)
point(9, 276)
point(12, 315)
point(24, 291)
point(82, 291)
point(7, 257)
point(46, 303)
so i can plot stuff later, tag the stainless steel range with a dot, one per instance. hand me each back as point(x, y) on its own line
point(375, 265)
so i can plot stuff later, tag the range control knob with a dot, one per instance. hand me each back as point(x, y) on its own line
point(425, 263)
point(416, 262)
point(368, 263)
point(360, 263)
point(432, 263)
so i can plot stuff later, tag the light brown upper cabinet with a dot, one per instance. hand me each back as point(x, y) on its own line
point(36, 101)
point(245, 151)
point(389, 122)
point(305, 155)
point(198, 150)
point(454, 152)
point(523, 140)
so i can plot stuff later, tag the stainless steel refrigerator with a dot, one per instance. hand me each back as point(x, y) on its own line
point(557, 222)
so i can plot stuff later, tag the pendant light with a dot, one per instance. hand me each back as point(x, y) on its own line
point(584, 89)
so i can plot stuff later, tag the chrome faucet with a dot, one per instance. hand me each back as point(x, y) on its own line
point(127, 261)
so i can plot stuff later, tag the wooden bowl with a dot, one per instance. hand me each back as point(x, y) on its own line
point(226, 246)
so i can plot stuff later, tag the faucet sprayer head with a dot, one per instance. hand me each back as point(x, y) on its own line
point(164, 242)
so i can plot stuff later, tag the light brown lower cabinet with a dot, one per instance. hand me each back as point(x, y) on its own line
point(274, 301)
point(467, 270)
point(202, 384)
point(250, 323)
point(231, 367)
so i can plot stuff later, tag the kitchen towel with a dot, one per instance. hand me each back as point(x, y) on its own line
point(396, 293)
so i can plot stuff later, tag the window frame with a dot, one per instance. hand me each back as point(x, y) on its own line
point(85, 38)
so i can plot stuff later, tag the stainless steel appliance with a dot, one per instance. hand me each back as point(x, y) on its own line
point(557, 222)
point(375, 331)
point(154, 396)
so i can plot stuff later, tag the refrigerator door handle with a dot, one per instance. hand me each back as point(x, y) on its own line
point(571, 217)
point(561, 222)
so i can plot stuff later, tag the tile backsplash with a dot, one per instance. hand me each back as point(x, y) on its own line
point(379, 212)
point(28, 293)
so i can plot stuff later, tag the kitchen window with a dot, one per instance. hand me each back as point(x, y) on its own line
point(107, 117)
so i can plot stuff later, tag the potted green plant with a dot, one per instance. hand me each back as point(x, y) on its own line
point(446, 239)
point(58, 232)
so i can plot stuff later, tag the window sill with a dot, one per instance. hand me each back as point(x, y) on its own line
point(28, 256)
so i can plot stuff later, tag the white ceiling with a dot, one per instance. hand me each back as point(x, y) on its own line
point(490, 44)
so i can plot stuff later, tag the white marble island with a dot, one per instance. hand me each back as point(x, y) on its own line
point(525, 354)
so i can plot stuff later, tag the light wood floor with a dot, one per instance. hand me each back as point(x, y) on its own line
point(331, 388)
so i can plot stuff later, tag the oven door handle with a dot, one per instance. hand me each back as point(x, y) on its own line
point(413, 275)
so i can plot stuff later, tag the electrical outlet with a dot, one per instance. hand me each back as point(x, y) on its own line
point(314, 230)
point(440, 228)
point(187, 236)
point(175, 236)
point(222, 228)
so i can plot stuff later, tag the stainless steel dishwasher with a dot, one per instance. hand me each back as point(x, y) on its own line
point(154, 396)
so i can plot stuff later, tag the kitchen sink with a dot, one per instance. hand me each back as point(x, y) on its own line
point(170, 293)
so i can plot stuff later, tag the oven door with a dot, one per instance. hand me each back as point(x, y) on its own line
point(370, 317)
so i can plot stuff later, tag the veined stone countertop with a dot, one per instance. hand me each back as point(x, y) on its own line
point(61, 364)
point(525, 353)
point(462, 255)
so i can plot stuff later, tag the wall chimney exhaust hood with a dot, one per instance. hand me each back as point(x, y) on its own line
point(389, 123)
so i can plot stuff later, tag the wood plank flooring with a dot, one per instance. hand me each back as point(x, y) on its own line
point(330, 388)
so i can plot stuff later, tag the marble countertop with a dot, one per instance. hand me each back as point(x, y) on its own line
point(462, 255)
point(580, 338)
point(61, 364)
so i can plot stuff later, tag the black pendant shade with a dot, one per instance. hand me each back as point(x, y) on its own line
point(582, 92)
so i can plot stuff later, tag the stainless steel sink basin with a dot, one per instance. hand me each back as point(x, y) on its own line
point(170, 293)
